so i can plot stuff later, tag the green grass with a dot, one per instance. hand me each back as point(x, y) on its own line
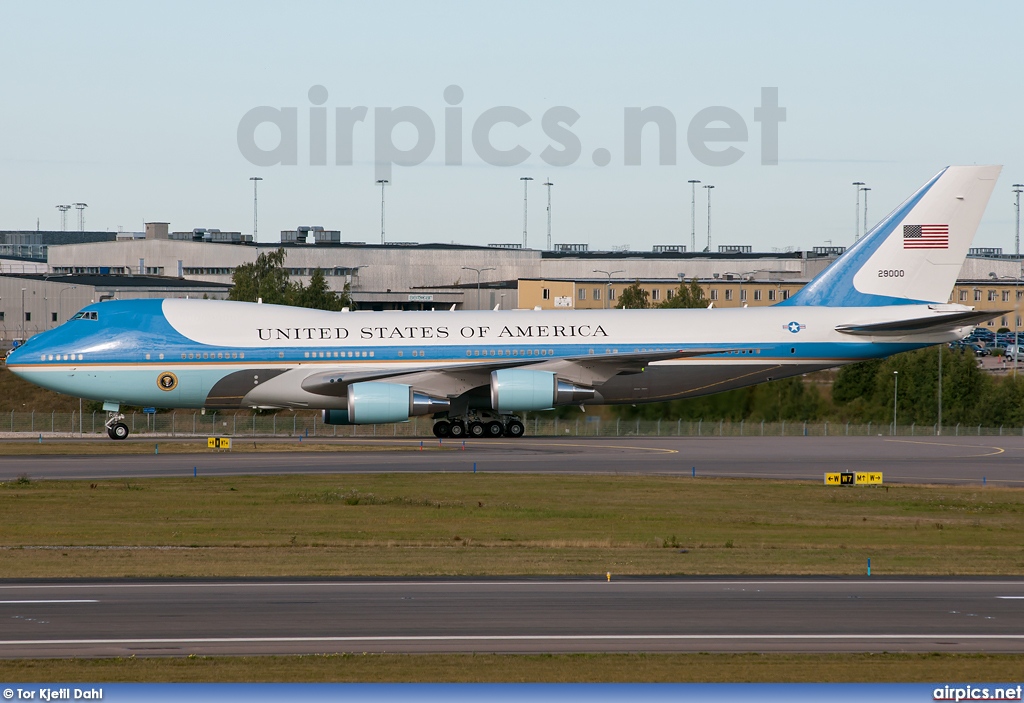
point(559, 668)
point(489, 524)
point(466, 524)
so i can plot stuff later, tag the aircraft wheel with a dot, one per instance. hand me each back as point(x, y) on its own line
point(442, 428)
point(515, 429)
point(494, 429)
point(457, 430)
point(119, 431)
point(477, 429)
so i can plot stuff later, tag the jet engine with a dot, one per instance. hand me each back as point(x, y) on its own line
point(517, 390)
point(375, 402)
point(336, 417)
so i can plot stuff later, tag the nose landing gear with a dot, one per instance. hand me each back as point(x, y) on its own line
point(116, 429)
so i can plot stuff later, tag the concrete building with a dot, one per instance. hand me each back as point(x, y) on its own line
point(385, 276)
point(33, 245)
point(30, 304)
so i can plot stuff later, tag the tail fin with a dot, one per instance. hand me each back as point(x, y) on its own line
point(914, 255)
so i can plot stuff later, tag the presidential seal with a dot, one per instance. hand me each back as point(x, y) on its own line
point(167, 381)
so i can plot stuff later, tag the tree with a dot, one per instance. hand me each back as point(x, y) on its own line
point(855, 381)
point(318, 295)
point(633, 297)
point(266, 279)
point(687, 296)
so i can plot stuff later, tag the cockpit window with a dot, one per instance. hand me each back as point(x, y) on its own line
point(86, 315)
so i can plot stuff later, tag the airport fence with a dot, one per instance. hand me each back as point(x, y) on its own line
point(187, 424)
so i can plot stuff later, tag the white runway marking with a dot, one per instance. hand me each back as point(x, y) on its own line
point(32, 602)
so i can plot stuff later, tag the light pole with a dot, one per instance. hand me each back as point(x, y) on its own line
point(63, 216)
point(856, 211)
point(60, 300)
point(866, 190)
point(709, 188)
point(81, 215)
point(354, 282)
point(743, 278)
point(1017, 189)
point(526, 182)
point(1016, 312)
point(608, 291)
point(895, 389)
point(255, 211)
point(548, 183)
point(693, 214)
point(22, 315)
point(938, 427)
point(382, 182)
point(478, 272)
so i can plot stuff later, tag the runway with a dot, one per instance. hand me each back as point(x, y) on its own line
point(59, 619)
point(951, 460)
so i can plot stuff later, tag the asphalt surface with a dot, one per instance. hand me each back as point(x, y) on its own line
point(953, 460)
point(48, 619)
point(59, 619)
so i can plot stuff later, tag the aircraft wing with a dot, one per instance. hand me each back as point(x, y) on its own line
point(933, 323)
point(588, 369)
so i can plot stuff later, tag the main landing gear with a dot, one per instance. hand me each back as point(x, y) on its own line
point(116, 429)
point(480, 425)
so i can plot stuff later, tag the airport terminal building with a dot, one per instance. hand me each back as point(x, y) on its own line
point(59, 275)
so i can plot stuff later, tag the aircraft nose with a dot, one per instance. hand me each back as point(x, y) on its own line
point(13, 357)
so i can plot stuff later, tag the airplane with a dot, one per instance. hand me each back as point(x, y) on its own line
point(476, 371)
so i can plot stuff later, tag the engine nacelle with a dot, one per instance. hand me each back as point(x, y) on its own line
point(374, 402)
point(517, 390)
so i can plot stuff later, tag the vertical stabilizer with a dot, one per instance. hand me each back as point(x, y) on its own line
point(915, 254)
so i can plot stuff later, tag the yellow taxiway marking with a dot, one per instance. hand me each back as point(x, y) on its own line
point(998, 450)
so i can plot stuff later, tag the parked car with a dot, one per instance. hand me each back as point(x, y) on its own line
point(979, 350)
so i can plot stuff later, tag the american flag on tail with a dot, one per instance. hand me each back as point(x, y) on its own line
point(926, 236)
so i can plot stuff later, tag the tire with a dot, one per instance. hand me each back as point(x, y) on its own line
point(515, 429)
point(442, 429)
point(110, 433)
point(457, 430)
point(494, 429)
point(477, 430)
point(119, 431)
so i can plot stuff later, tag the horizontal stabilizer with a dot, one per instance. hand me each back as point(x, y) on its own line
point(932, 323)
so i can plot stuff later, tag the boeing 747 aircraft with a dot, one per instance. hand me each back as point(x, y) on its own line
point(474, 371)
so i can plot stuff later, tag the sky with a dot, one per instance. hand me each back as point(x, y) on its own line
point(139, 110)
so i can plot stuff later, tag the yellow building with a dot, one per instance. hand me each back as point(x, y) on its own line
point(597, 293)
point(730, 292)
point(993, 294)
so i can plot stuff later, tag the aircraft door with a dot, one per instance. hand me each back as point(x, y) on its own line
point(192, 389)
